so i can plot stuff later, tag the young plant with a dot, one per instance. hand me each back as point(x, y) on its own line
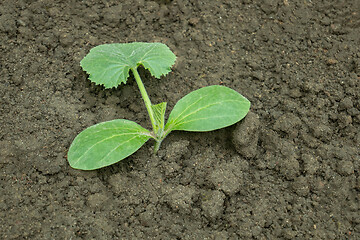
point(106, 143)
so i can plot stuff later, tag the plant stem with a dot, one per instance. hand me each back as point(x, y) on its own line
point(157, 146)
point(145, 98)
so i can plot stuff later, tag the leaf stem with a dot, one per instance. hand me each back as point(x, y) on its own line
point(145, 98)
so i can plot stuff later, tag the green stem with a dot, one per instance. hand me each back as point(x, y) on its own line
point(145, 97)
point(157, 146)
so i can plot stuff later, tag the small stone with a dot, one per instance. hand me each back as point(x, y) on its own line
point(171, 168)
point(112, 100)
point(96, 187)
point(7, 23)
point(331, 61)
point(246, 135)
point(289, 233)
point(225, 179)
point(256, 231)
point(321, 131)
point(344, 121)
point(345, 167)
point(221, 235)
point(176, 150)
point(357, 186)
point(193, 21)
point(289, 167)
point(338, 29)
point(318, 185)
point(311, 164)
point(287, 123)
point(240, 164)
point(326, 21)
point(66, 39)
point(7, 152)
point(301, 186)
point(97, 200)
point(310, 140)
point(357, 138)
point(92, 16)
point(270, 140)
point(181, 199)
point(345, 103)
point(120, 183)
point(353, 112)
point(147, 217)
point(213, 204)
point(48, 167)
point(112, 15)
point(268, 6)
point(178, 37)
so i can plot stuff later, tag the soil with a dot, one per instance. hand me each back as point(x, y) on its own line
point(289, 170)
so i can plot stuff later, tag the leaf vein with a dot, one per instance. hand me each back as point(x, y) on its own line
point(122, 143)
point(116, 135)
point(206, 118)
point(207, 106)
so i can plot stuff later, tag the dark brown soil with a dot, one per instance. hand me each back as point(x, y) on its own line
point(289, 170)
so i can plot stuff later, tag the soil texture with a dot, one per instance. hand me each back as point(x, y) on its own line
point(289, 170)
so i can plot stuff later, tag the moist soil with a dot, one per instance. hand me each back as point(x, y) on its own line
point(289, 170)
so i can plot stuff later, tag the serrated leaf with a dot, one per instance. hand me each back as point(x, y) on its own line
point(106, 143)
point(207, 109)
point(109, 64)
point(159, 114)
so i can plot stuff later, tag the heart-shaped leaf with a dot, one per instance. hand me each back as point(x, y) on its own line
point(106, 143)
point(109, 64)
point(207, 109)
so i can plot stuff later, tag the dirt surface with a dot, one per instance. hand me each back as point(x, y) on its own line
point(289, 170)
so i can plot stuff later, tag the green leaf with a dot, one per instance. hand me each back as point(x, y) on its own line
point(207, 109)
point(106, 143)
point(109, 64)
point(159, 114)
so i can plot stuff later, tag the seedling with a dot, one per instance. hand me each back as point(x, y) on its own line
point(106, 143)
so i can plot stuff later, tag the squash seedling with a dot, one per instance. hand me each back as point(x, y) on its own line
point(106, 143)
